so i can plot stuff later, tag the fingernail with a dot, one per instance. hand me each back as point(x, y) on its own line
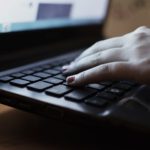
point(70, 79)
point(65, 68)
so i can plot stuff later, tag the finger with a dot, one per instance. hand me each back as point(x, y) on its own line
point(110, 71)
point(102, 45)
point(142, 28)
point(111, 55)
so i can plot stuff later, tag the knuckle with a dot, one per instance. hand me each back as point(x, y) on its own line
point(140, 35)
point(142, 28)
point(138, 48)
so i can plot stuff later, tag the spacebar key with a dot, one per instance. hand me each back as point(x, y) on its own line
point(80, 94)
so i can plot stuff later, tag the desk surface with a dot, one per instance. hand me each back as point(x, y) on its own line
point(24, 131)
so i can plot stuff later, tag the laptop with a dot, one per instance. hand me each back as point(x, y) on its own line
point(36, 39)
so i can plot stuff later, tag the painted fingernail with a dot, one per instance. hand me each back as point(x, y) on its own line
point(70, 79)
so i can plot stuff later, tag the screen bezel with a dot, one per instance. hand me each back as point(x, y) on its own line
point(17, 39)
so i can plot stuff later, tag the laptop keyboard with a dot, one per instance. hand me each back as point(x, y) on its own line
point(48, 78)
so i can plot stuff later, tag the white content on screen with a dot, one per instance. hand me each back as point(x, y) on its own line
point(14, 11)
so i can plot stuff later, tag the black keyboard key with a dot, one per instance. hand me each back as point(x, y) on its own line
point(17, 75)
point(96, 86)
point(122, 86)
point(80, 94)
point(28, 72)
point(65, 83)
point(37, 69)
point(116, 91)
point(52, 72)
point(46, 66)
point(108, 96)
point(60, 76)
point(42, 75)
point(31, 78)
point(106, 83)
point(53, 81)
point(97, 101)
point(39, 86)
point(59, 68)
point(5, 79)
point(19, 82)
point(54, 64)
point(129, 83)
point(58, 90)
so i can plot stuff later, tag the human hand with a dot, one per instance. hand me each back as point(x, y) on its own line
point(120, 58)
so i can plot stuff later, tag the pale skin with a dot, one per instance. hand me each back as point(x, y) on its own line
point(121, 58)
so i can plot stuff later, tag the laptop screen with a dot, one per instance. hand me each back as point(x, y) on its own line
point(20, 15)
